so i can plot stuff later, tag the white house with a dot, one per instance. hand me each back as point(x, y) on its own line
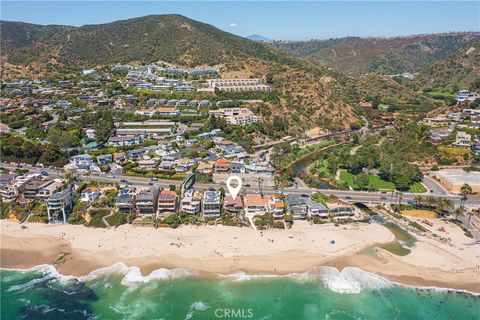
point(89, 195)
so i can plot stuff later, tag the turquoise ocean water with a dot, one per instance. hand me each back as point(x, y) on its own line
point(119, 292)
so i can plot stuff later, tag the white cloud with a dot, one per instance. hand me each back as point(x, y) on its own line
point(233, 24)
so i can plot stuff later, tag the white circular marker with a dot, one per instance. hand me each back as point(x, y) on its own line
point(234, 190)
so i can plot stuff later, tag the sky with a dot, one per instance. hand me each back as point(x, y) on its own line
point(287, 20)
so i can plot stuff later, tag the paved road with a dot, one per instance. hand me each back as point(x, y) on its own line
point(433, 185)
point(348, 195)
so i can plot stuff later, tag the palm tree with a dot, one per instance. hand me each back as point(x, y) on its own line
point(458, 212)
point(431, 201)
point(448, 204)
point(419, 201)
point(466, 189)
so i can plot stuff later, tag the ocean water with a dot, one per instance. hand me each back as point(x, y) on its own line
point(119, 292)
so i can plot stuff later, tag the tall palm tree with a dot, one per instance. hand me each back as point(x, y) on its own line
point(449, 204)
point(458, 212)
point(419, 201)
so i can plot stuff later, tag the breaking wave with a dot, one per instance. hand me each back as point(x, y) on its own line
point(349, 280)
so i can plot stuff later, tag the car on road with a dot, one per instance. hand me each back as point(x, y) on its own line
point(110, 176)
point(44, 173)
point(123, 180)
point(348, 197)
point(154, 179)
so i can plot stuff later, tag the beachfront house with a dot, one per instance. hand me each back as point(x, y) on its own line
point(147, 202)
point(297, 206)
point(275, 205)
point(191, 202)
point(125, 201)
point(89, 194)
point(316, 209)
point(212, 205)
point(233, 206)
point(254, 204)
point(167, 202)
point(59, 205)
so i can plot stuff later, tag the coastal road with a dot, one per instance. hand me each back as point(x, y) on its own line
point(347, 195)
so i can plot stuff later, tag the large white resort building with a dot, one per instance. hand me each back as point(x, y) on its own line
point(238, 85)
point(236, 116)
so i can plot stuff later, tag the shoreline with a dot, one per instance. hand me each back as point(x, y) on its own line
point(78, 251)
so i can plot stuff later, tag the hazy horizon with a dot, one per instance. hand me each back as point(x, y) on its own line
point(307, 20)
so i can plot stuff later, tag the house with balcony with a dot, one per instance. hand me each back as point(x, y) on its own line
point(297, 206)
point(205, 167)
point(222, 165)
point(212, 205)
point(82, 161)
point(191, 202)
point(119, 157)
point(123, 141)
point(184, 164)
point(89, 195)
point(463, 139)
point(147, 164)
point(316, 209)
point(167, 202)
point(233, 206)
point(104, 158)
point(8, 190)
point(60, 204)
point(125, 201)
point(340, 210)
point(254, 204)
point(147, 202)
point(275, 205)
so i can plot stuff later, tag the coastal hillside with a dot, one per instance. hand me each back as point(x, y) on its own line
point(305, 94)
point(378, 55)
point(460, 69)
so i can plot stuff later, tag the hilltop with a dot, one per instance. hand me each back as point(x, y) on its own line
point(379, 55)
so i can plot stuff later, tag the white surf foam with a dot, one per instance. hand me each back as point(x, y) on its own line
point(352, 280)
point(196, 306)
point(133, 275)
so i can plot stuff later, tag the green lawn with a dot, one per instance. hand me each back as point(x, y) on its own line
point(417, 188)
point(375, 181)
point(379, 183)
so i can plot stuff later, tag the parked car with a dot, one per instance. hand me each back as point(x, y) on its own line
point(110, 176)
point(154, 179)
point(44, 173)
point(123, 180)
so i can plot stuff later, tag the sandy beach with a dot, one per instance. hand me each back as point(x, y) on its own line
point(77, 250)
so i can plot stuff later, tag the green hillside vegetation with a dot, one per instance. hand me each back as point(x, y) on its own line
point(379, 55)
point(306, 94)
point(458, 70)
